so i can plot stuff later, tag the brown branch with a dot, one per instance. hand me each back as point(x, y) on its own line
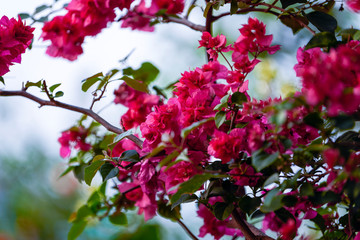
point(187, 230)
point(249, 231)
point(185, 22)
point(73, 108)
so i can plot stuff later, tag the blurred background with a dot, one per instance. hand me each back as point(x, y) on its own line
point(34, 202)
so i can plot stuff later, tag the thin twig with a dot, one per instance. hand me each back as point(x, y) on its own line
point(73, 108)
point(185, 22)
point(187, 230)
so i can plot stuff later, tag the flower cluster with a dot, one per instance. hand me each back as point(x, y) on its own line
point(75, 137)
point(15, 37)
point(84, 18)
point(331, 78)
point(139, 104)
point(88, 17)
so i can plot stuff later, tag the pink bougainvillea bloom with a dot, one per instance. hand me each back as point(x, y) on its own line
point(332, 157)
point(212, 225)
point(139, 103)
point(171, 6)
point(96, 14)
point(227, 146)
point(354, 5)
point(73, 138)
point(179, 173)
point(133, 191)
point(65, 34)
point(288, 230)
point(331, 79)
point(134, 19)
point(15, 37)
point(245, 175)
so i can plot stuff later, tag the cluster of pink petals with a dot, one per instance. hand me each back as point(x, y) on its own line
point(303, 209)
point(75, 138)
point(139, 103)
point(245, 175)
point(212, 225)
point(88, 17)
point(84, 18)
point(227, 146)
point(171, 6)
point(15, 37)
point(331, 78)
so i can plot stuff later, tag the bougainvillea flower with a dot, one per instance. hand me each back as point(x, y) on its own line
point(15, 37)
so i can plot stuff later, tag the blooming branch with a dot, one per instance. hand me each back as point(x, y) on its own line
point(88, 112)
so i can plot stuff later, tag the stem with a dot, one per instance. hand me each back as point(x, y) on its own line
point(248, 234)
point(226, 61)
point(73, 108)
point(185, 22)
point(208, 27)
point(249, 231)
point(187, 230)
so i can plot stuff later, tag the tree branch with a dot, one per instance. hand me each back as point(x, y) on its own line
point(185, 22)
point(249, 231)
point(187, 230)
point(73, 108)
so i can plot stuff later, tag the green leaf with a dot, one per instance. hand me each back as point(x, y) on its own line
point(41, 8)
point(348, 34)
point(24, 16)
point(79, 172)
point(91, 170)
point(82, 213)
point(191, 186)
point(272, 201)
point(2, 80)
point(223, 210)
point(323, 39)
point(130, 156)
point(147, 73)
point(357, 36)
point(169, 158)
point(166, 211)
point(118, 218)
point(293, 22)
point(233, 7)
point(53, 87)
point(185, 198)
point(135, 84)
point(88, 82)
point(289, 200)
point(306, 189)
point(43, 19)
point(186, 131)
point(314, 120)
point(344, 122)
point(220, 118)
point(286, 3)
point(33, 84)
point(108, 171)
point(207, 8)
point(76, 229)
point(320, 222)
point(238, 98)
point(122, 136)
point(59, 94)
point(322, 21)
point(272, 179)
point(69, 169)
point(249, 204)
point(261, 160)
